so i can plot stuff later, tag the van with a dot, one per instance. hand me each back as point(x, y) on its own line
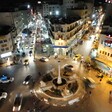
point(89, 82)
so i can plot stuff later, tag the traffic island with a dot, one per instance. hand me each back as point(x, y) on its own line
point(70, 90)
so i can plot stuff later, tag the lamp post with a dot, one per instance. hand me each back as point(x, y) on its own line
point(59, 81)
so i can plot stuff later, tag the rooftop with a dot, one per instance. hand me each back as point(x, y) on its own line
point(4, 30)
point(64, 20)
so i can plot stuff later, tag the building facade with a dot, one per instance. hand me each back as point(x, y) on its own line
point(18, 20)
point(51, 10)
point(104, 54)
point(6, 44)
point(69, 34)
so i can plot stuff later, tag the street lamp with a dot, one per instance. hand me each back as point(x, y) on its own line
point(59, 81)
point(28, 6)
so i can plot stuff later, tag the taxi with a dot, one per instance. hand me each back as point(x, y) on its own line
point(77, 57)
point(26, 62)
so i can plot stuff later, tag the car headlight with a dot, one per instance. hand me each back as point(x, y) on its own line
point(23, 82)
point(19, 108)
point(46, 60)
point(13, 109)
point(27, 82)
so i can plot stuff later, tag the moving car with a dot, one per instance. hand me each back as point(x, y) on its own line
point(17, 102)
point(27, 80)
point(3, 94)
point(26, 62)
point(89, 82)
point(43, 59)
point(6, 79)
point(77, 57)
point(68, 67)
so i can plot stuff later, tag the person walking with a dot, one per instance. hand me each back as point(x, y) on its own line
point(90, 93)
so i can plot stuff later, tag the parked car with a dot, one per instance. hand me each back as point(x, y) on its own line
point(3, 94)
point(99, 75)
point(43, 59)
point(27, 80)
point(23, 54)
point(89, 82)
point(6, 79)
point(68, 67)
point(17, 103)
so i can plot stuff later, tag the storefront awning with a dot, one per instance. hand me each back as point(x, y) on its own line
point(60, 46)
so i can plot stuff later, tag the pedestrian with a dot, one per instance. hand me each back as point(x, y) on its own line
point(90, 93)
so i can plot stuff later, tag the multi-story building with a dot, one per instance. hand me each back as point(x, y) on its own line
point(68, 4)
point(6, 46)
point(104, 53)
point(18, 20)
point(52, 10)
point(69, 32)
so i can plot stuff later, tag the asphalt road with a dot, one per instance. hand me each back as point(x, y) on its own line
point(97, 102)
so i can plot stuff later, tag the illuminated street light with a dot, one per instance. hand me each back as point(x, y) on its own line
point(57, 12)
point(39, 2)
point(50, 13)
point(28, 6)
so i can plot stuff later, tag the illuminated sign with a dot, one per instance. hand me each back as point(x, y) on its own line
point(109, 36)
point(6, 54)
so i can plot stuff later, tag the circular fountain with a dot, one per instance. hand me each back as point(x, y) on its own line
point(59, 90)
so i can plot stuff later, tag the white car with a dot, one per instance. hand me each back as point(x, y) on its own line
point(3, 95)
point(43, 59)
point(5, 79)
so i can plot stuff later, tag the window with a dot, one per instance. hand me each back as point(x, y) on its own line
point(100, 51)
point(108, 54)
point(111, 55)
point(1, 41)
point(7, 48)
point(105, 53)
point(2, 49)
point(5, 40)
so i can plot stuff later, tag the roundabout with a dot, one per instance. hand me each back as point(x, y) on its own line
point(58, 89)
